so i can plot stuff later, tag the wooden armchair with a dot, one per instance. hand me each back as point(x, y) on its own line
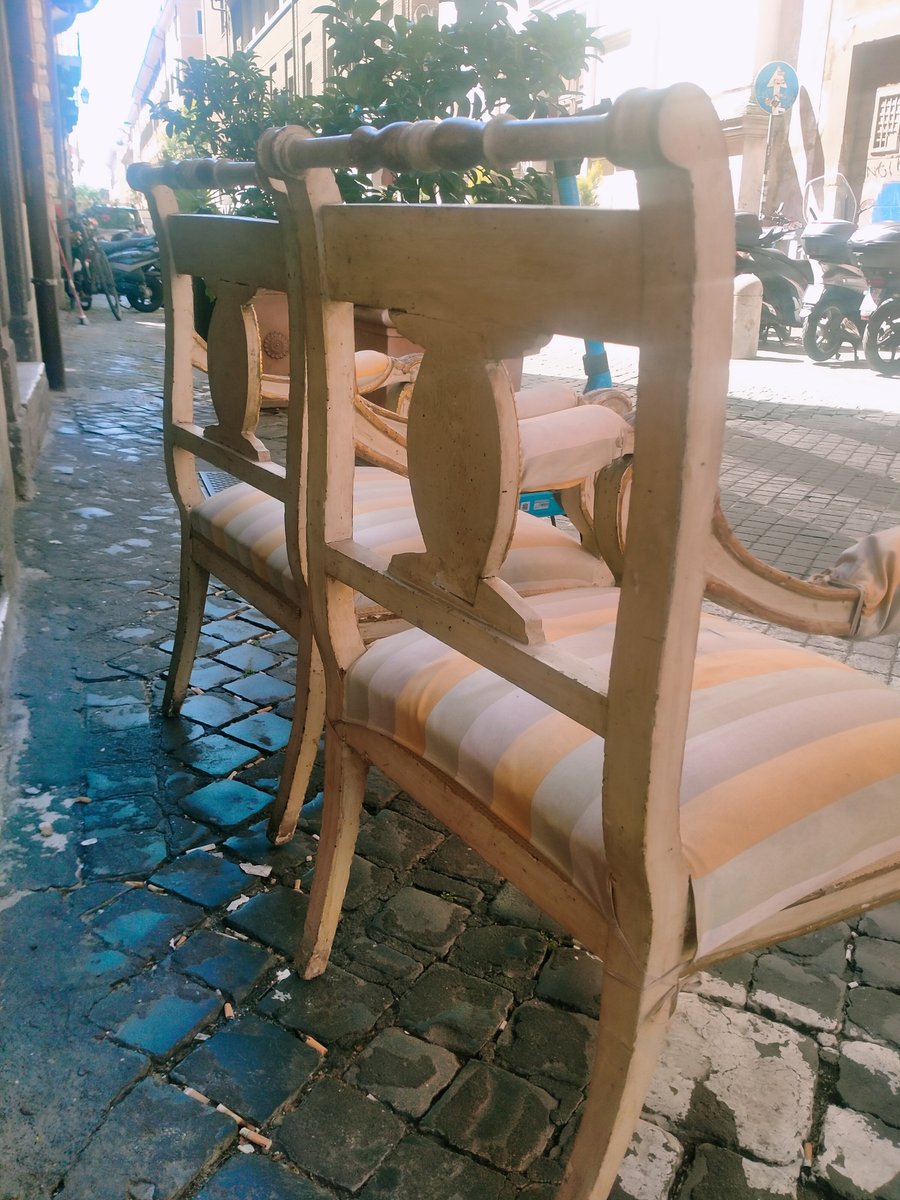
point(669, 787)
point(238, 535)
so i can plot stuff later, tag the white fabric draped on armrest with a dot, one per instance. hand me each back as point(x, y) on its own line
point(560, 449)
point(873, 566)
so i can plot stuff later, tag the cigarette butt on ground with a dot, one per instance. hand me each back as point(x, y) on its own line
point(195, 1095)
point(298, 886)
point(229, 1011)
point(311, 1041)
point(238, 1120)
point(808, 1149)
point(253, 1135)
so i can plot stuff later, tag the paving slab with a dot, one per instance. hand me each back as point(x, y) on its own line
point(873, 1013)
point(143, 923)
point(545, 1041)
point(453, 1009)
point(878, 962)
point(716, 1173)
point(339, 1135)
point(226, 803)
point(254, 1177)
point(859, 1156)
point(791, 991)
point(650, 1166)
point(501, 1119)
point(422, 919)
point(223, 963)
point(157, 1012)
point(395, 840)
point(742, 1080)
point(869, 1080)
point(203, 878)
point(507, 953)
point(572, 978)
point(273, 917)
point(152, 1144)
point(421, 1168)
point(251, 1066)
point(335, 1007)
point(403, 1071)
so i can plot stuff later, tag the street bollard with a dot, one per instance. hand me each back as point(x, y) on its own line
point(748, 290)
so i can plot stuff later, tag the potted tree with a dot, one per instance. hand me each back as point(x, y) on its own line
point(386, 71)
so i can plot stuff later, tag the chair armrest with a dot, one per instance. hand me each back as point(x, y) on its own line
point(737, 579)
point(560, 449)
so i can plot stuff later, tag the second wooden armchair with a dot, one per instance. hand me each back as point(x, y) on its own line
point(669, 787)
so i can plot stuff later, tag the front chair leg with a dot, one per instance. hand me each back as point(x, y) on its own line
point(632, 1030)
point(345, 785)
point(303, 744)
point(191, 601)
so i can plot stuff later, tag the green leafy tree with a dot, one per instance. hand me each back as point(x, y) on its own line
point(394, 71)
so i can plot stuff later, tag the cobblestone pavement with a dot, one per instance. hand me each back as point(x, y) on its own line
point(146, 993)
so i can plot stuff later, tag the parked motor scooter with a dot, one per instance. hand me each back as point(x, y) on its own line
point(877, 250)
point(831, 307)
point(784, 279)
point(135, 264)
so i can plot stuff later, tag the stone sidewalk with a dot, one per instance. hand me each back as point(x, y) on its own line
point(146, 927)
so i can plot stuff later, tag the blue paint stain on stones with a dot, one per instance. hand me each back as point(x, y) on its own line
point(202, 878)
point(226, 803)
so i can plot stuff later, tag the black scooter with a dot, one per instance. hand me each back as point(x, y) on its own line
point(784, 279)
point(136, 270)
point(877, 250)
point(832, 307)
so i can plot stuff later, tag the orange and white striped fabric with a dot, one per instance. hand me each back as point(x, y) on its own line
point(249, 526)
point(791, 771)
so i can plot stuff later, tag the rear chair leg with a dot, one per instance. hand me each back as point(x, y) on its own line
point(191, 601)
point(345, 785)
point(303, 744)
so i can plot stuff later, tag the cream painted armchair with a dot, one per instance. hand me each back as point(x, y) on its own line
point(672, 789)
point(238, 534)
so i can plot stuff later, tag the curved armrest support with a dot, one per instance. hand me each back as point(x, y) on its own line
point(739, 580)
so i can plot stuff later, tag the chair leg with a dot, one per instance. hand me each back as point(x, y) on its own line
point(630, 1039)
point(191, 600)
point(345, 785)
point(303, 744)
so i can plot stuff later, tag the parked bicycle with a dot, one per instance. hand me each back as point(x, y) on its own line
point(91, 271)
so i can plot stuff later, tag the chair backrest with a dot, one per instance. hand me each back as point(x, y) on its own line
point(473, 285)
point(235, 258)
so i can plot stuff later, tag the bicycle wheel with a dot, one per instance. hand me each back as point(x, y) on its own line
point(106, 283)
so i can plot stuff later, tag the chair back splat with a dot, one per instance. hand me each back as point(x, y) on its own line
point(670, 787)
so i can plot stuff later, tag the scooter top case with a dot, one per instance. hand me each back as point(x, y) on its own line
point(826, 241)
point(878, 245)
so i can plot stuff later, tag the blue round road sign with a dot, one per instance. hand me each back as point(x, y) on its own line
point(776, 87)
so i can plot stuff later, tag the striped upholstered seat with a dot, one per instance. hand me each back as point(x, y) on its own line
point(780, 784)
point(248, 525)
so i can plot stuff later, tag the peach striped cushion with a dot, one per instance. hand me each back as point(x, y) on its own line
point(792, 764)
point(561, 448)
point(248, 525)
